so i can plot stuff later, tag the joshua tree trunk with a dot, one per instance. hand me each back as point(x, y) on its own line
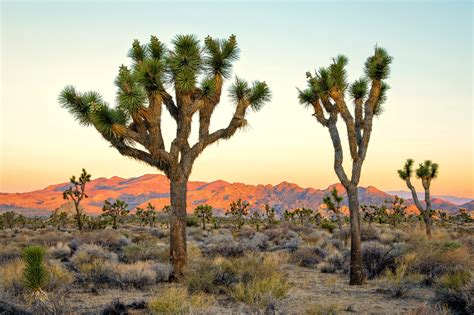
point(339, 220)
point(178, 190)
point(357, 273)
point(78, 216)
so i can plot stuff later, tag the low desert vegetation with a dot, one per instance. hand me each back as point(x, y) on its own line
point(239, 266)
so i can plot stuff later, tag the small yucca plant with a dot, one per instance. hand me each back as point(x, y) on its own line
point(35, 275)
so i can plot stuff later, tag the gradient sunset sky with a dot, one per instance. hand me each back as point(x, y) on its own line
point(428, 115)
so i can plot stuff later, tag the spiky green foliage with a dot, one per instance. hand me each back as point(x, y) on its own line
point(407, 171)
point(307, 96)
point(333, 200)
point(377, 67)
point(79, 104)
point(427, 170)
point(359, 88)
point(35, 275)
point(185, 62)
point(220, 53)
point(337, 73)
point(257, 95)
point(378, 109)
point(105, 119)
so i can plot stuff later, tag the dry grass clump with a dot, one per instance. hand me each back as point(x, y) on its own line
point(144, 251)
point(397, 283)
point(138, 274)
point(176, 300)
point(456, 290)
point(107, 238)
point(11, 277)
point(254, 279)
point(59, 251)
point(377, 258)
point(308, 256)
point(316, 237)
point(322, 309)
point(47, 239)
point(9, 252)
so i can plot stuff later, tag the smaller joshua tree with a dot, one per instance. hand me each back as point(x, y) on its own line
point(238, 211)
point(397, 207)
point(167, 213)
point(204, 214)
point(117, 211)
point(303, 215)
point(148, 215)
point(333, 203)
point(426, 171)
point(77, 192)
point(256, 219)
point(270, 213)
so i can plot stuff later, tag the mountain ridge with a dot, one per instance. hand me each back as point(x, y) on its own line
point(154, 188)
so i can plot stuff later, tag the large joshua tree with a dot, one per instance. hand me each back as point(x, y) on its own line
point(196, 74)
point(326, 94)
point(427, 171)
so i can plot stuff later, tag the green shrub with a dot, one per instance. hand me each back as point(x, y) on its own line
point(177, 301)
point(35, 275)
point(192, 220)
point(328, 226)
point(261, 292)
point(455, 291)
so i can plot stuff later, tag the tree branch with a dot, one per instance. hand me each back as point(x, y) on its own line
point(338, 98)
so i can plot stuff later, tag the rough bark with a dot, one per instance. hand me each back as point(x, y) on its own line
point(426, 213)
point(78, 216)
point(357, 275)
point(178, 258)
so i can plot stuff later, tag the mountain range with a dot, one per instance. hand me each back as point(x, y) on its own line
point(154, 189)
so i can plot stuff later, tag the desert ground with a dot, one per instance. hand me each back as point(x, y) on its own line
point(281, 268)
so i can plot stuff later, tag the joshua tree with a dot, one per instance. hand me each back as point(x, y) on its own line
point(426, 171)
point(397, 207)
point(196, 74)
point(167, 214)
point(77, 192)
point(256, 219)
point(58, 220)
point(204, 214)
point(463, 216)
point(8, 219)
point(270, 213)
point(333, 203)
point(238, 210)
point(116, 210)
point(303, 214)
point(147, 215)
point(326, 95)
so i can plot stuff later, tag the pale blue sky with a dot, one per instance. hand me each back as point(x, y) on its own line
point(46, 45)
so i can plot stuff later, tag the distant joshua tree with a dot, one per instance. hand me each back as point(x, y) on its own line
point(196, 73)
point(238, 211)
point(77, 192)
point(326, 95)
point(204, 214)
point(270, 214)
point(256, 219)
point(303, 215)
point(148, 215)
point(426, 171)
point(397, 207)
point(117, 211)
point(333, 203)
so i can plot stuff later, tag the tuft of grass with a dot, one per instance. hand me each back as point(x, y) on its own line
point(322, 309)
point(261, 292)
point(176, 300)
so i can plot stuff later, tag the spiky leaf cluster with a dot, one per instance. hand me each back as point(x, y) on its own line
point(407, 171)
point(220, 53)
point(35, 276)
point(257, 94)
point(427, 170)
point(377, 67)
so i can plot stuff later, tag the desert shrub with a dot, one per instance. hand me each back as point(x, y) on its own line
point(144, 251)
point(88, 253)
point(369, 233)
point(222, 245)
point(11, 277)
point(177, 301)
point(192, 220)
point(327, 268)
point(315, 237)
point(282, 238)
point(397, 283)
point(163, 271)
point(9, 252)
point(138, 274)
point(203, 277)
point(336, 261)
point(261, 292)
point(49, 238)
point(308, 256)
point(377, 258)
point(428, 309)
point(257, 242)
point(108, 238)
point(95, 264)
point(456, 290)
point(327, 225)
point(59, 277)
point(433, 258)
point(322, 309)
point(59, 251)
point(116, 307)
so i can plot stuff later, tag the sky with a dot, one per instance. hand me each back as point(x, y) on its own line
point(428, 114)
